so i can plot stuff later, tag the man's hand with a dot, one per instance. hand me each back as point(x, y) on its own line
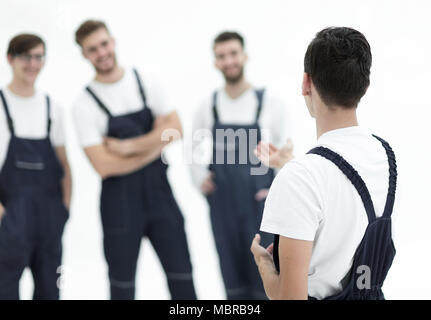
point(261, 194)
point(273, 157)
point(2, 210)
point(265, 264)
point(208, 186)
point(260, 253)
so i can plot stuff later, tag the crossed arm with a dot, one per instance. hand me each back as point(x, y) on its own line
point(122, 156)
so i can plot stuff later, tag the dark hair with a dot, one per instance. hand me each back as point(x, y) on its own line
point(23, 43)
point(229, 35)
point(88, 27)
point(338, 61)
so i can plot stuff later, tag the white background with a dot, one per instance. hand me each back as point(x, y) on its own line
point(172, 40)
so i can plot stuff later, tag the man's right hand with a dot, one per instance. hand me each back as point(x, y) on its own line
point(208, 186)
point(2, 210)
point(273, 157)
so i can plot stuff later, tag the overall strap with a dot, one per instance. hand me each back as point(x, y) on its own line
point(8, 117)
point(48, 114)
point(259, 95)
point(141, 88)
point(392, 178)
point(352, 175)
point(99, 102)
point(215, 106)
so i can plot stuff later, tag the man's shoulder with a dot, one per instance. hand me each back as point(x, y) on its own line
point(84, 106)
point(306, 167)
point(82, 100)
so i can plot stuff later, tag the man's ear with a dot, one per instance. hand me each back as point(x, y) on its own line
point(83, 53)
point(216, 64)
point(306, 84)
point(9, 58)
point(366, 90)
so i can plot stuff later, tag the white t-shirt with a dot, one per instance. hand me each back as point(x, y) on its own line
point(120, 98)
point(311, 199)
point(274, 122)
point(29, 120)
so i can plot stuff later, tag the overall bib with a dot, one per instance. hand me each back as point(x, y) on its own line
point(141, 204)
point(234, 212)
point(32, 226)
point(375, 253)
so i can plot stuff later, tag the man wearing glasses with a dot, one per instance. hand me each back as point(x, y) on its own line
point(35, 179)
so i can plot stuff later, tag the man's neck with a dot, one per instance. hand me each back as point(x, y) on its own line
point(21, 88)
point(335, 118)
point(116, 74)
point(234, 90)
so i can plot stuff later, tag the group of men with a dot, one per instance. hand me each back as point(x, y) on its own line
point(311, 217)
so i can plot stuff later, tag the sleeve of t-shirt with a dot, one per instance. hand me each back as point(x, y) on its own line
point(88, 121)
point(159, 100)
point(57, 125)
point(293, 206)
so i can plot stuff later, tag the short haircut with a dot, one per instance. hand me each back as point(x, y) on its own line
point(229, 35)
point(23, 43)
point(338, 61)
point(88, 27)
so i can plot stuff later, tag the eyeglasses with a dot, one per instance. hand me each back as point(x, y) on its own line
point(39, 58)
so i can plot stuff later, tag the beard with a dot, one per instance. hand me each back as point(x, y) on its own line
point(108, 70)
point(235, 78)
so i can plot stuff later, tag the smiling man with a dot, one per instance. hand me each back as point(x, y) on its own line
point(241, 116)
point(331, 208)
point(120, 119)
point(35, 179)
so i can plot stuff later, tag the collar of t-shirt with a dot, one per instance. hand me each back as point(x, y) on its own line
point(347, 131)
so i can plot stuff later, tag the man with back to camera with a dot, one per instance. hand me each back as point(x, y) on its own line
point(234, 194)
point(136, 199)
point(35, 178)
point(330, 210)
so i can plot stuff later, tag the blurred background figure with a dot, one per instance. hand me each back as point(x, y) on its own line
point(35, 179)
point(119, 124)
point(235, 195)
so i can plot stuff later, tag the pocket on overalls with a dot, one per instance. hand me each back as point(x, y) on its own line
point(31, 162)
point(58, 217)
point(14, 242)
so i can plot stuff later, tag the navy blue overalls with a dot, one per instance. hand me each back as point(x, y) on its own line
point(234, 212)
point(376, 250)
point(32, 226)
point(141, 204)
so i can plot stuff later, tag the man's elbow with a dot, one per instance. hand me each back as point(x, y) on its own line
point(174, 123)
point(102, 170)
point(172, 132)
